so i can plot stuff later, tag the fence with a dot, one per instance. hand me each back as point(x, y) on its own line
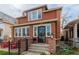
point(20, 45)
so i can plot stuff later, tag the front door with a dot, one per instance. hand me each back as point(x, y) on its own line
point(41, 34)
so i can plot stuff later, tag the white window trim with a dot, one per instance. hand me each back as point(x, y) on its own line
point(45, 29)
point(36, 31)
point(22, 31)
point(30, 14)
point(15, 32)
point(26, 31)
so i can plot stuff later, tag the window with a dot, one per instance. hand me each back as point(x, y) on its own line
point(16, 31)
point(35, 15)
point(22, 31)
point(27, 31)
point(39, 14)
point(48, 30)
point(19, 31)
point(35, 31)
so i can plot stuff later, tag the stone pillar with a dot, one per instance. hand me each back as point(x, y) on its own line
point(52, 45)
point(75, 31)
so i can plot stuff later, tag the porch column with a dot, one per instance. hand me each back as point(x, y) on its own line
point(75, 31)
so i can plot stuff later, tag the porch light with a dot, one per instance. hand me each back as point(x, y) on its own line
point(52, 35)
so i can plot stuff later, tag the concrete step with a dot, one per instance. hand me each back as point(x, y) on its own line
point(39, 51)
point(30, 53)
point(39, 48)
point(40, 45)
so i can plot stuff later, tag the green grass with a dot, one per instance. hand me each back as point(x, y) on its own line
point(7, 53)
point(67, 51)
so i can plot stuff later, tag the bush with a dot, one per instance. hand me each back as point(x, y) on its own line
point(66, 51)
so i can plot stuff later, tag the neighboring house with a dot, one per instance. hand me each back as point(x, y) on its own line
point(71, 33)
point(38, 23)
point(5, 25)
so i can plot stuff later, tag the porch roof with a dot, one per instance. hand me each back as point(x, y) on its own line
point(71, 24)
point(35, 22)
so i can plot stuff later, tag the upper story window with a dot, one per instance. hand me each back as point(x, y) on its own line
point(34, 15)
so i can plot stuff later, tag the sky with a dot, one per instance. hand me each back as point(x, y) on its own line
point(15, 10)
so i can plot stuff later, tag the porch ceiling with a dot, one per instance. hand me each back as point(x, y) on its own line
point(36, 22)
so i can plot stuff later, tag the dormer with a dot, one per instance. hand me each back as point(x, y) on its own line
point(35, 13)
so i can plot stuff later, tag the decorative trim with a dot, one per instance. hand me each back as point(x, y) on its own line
point(36, 22)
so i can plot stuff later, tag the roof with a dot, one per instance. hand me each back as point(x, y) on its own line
point(52, 9)
point(7, 17)
point(72, 23)
point(6, 21)
point(36, 8)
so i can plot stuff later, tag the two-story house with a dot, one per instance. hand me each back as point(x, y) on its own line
point(38, 24)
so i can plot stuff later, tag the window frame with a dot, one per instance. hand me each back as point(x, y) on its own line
point(21, 31)
point(50, 30)
point(15, 32)
point(34, 31)
point(26, 31)
point(30, 15)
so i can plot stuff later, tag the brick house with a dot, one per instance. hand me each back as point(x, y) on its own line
point(38, 24)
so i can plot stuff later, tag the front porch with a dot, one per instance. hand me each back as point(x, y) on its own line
point(71, 34)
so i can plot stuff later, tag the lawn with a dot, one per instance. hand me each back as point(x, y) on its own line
point(67, 51)
point(7, 53)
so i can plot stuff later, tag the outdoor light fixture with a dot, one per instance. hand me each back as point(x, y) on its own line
point(52, 35)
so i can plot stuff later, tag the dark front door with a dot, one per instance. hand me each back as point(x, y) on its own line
point(41, 34)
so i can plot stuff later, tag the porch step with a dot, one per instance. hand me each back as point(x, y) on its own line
point(39, 48)
point(41, 45)
point(39, 51)
point(30, 53)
